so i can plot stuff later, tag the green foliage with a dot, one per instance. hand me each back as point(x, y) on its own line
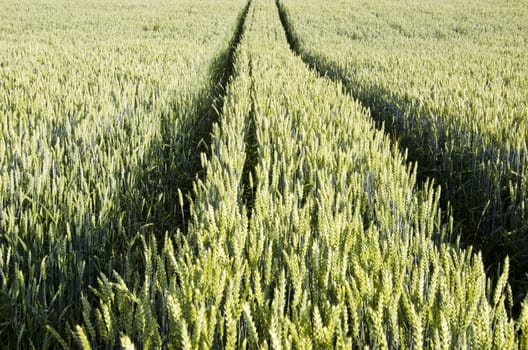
point(307, 230)
point(101, 124)
point(340, 248)
point(448, 80)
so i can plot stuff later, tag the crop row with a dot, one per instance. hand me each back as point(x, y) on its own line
point(308, 231)
point(103, 107)
point(448, 81)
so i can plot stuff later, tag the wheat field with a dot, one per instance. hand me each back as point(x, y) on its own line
point(262, 174)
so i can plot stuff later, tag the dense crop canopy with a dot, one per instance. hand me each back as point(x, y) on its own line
point(101, 109)
point(307, 230)
point(449, 80)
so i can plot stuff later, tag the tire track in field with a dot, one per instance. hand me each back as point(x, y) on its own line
point(222, 72)
point(251, 161)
